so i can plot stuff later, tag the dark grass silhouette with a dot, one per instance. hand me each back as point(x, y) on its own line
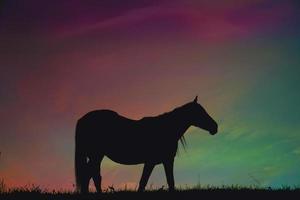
point(150, 140)
point(232, 192)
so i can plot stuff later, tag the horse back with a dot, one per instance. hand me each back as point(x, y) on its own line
point(102, 119)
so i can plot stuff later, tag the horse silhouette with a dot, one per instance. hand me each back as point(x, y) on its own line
point(150, 140)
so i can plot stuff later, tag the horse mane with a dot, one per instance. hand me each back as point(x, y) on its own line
point(171, 114)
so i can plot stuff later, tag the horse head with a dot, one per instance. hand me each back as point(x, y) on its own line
point(200, 118)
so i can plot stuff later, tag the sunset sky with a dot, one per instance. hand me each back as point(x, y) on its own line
point(62, 58)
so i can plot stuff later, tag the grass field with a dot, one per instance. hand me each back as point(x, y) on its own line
point(209, 192)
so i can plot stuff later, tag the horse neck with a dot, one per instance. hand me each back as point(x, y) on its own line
point(180, 123)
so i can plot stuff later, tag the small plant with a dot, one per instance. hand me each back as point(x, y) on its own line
point(35, 189)
point(111, 189)
point(3, 187)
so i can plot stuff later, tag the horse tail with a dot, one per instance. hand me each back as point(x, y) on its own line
point(80, 158)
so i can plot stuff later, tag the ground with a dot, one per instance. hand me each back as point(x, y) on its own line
point(210, 193)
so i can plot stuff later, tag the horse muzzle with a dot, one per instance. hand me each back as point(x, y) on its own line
point(214, 130)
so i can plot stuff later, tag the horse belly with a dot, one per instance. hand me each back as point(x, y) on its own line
point(138, 154)
point(126, 159)
point(126, 152)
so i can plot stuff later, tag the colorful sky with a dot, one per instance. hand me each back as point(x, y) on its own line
point(60, 59)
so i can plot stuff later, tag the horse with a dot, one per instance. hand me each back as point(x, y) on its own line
point(149, 141)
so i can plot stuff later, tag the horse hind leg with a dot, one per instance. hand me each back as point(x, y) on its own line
point(95, 163)
point(85, 179)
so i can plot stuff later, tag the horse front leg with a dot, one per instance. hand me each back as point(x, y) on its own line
point(148, 167)
point(169, 167)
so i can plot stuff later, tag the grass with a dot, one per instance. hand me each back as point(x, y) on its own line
point(197, 192)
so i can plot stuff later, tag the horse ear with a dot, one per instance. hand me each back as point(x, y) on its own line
point(196, 99)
